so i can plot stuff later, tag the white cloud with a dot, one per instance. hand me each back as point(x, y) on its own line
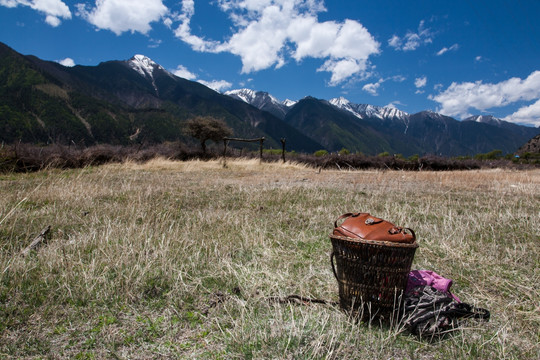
point(183, 72)
point(398, 78)
point(395, 41)
point(54, 10)
point(183, 31)
point(412, 40)
point(168, 22)
point(527, 115)
point(66, 62)
point(394, 104)
point(373, 88)
point(420, 82)
point(445, 49)
point(342, 69)
point(120, 16)
point(217, 85)
point(154, 43)
point(267, 32)
point(458, 99)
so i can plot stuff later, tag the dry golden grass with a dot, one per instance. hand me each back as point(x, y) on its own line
point(178, 259)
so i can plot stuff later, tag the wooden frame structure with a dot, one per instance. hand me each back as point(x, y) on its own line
point(227, 140)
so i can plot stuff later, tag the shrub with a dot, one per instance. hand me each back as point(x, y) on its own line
point(207, 128)
point(492, 155)
point(413, 158)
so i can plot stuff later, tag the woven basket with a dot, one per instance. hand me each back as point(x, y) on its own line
point(372, 275)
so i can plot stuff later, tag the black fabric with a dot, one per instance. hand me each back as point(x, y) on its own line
point(430, 312)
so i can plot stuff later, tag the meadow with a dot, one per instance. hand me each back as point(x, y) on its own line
point(169, 259)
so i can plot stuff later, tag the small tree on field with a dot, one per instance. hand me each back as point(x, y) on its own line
point(207, 128)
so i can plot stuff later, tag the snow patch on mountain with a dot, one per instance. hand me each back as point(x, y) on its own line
point(246, 95)
point(363, 111)
point(366, 111)
point(261, 100)
point(485, 119)
point(146, 67)
point(143, 65)
point(289, 103)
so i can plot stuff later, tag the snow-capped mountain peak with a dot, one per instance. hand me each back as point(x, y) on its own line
point(340, 102)
point(246, 95)
point(363, 111)
point(289, 103)
point(146, 67)
point(261, 100)
point(486, 119)
point(143, 65)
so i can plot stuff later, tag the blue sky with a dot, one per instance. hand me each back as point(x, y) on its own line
point(459, 57)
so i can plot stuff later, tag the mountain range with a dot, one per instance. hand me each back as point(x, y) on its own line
point(137, 100)
point(362, 127)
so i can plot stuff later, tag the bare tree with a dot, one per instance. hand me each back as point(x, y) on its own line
point(206, 128)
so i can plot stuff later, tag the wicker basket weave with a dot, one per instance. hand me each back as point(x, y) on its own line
point(371, 275)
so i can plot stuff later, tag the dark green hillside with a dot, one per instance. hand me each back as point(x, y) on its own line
point(44, 102)
point(443, 135)
point(336, 129)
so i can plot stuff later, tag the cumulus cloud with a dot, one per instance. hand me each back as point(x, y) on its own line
point(67, 62)
point(268, 32)
point(373, 88)
point(420, 82)
point(395, 41)
point(217, 85)
point(412, 40)
point(120, 16)
point(183, 31)
point(154, 43)
point(445, 49)
point(394, 105)
point(183, 72)
point(458, 99)
point(527, 115)
point(54, 10)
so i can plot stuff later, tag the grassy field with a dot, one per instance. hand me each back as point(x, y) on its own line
point(179, 260)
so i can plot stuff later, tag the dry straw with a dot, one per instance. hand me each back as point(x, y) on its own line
point(177, 260)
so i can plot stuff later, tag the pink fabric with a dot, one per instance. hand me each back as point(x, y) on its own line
point(431, 278)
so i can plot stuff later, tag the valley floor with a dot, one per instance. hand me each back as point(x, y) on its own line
point(179, 260)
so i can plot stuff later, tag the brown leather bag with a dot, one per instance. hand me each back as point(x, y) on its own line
point(368, 227)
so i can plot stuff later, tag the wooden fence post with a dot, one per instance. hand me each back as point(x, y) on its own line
point(283, 151)
point(261, 149)
point(225, 141)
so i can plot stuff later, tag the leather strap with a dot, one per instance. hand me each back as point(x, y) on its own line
point(412, 232)
point(344, 216)
point(333, 266)
point(347, 215)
